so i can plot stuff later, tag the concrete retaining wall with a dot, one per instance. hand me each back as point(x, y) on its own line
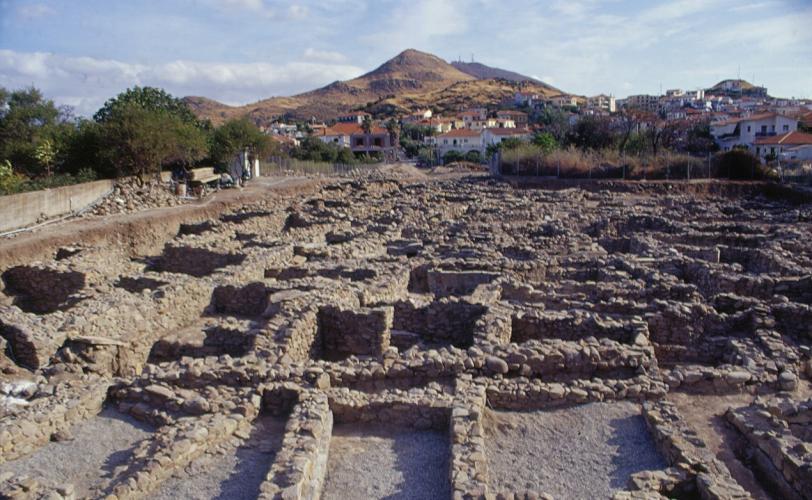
point(20, 210)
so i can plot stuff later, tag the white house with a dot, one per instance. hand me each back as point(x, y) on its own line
point(339, 134)
point(460, 140)
point(602, 102)
point(744, 131)
point(494, 136)
point(789, 146)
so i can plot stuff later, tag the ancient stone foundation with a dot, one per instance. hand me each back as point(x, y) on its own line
point(453, 338)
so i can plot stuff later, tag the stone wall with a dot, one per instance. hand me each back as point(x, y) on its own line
point(361, 332)
point(301, 464)
point(55, 408)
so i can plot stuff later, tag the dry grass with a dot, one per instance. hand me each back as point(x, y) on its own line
point(528, 159)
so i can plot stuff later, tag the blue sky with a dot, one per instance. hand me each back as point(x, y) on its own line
point(80, 52)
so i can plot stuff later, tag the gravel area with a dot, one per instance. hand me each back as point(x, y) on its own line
point(97, 446)
point(236, 473)
point(373, 461)
point(583, 452)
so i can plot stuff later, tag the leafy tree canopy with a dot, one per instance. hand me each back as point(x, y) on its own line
point(150, 99)
point(237, 135)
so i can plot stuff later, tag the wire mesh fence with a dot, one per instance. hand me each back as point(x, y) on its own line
point(290, 166)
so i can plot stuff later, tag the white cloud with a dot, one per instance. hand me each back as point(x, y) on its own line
point(254, 6)
point(86, 82)
point(33, 11)
point(324, 55)
point(297, 11)
point(416, 24)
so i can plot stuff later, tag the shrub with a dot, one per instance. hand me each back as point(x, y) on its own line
point(10, 182)
point(740, 164)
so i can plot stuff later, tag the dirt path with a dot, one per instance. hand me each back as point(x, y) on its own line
point(143, 231)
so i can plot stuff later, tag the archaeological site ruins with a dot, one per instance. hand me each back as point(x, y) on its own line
point(454, 337)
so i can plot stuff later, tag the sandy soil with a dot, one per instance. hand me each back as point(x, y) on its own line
point(373, 461)
point(586, 451)
point(98, 446)
point(236, 474)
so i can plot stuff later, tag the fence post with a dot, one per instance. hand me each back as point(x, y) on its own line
point(689, 171)
point(709, 173)
point(558, 169)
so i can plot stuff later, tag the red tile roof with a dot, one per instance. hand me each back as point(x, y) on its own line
point(789, 139)
point(461, 132)
point(350, 129)
point(508, 131)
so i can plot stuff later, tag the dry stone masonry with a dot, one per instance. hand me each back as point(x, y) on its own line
point(452, 312)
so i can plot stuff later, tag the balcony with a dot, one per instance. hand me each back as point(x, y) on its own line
point(766, 134)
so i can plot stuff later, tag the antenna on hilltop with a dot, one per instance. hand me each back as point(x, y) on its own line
point(472, 57)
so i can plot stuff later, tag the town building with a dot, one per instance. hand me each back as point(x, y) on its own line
point(602, 102)
point(744, 131)
point(518, 118)
point(643, 102)
point(790, 146)
point(562, 100)
point(355, 117)
point(494, 136)
point(460, 140)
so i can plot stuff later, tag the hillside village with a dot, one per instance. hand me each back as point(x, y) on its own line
point(738, 115)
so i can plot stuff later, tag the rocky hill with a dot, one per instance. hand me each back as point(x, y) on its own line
point(483, 72)
point(736, 87)
point(459, 96)
point(410, 72)
point(410, 80)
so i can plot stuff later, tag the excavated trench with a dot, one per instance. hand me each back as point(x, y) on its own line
point(365, 344)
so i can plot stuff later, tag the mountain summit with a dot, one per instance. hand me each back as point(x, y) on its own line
point(409, 80)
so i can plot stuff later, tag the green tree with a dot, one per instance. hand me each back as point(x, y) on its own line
point(700, 140)
point(148, 98)
point(237, 135)
point(473, 156)
point(139, 141)
point(451, 156)
point(393, 129)
point(592, 132)
point(546, 141)
point(556, 122)
point(10, 181)
point(45, 153)
point(27, 121)
point(366, 124)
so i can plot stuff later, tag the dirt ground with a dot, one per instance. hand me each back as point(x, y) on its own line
point(583, 452)
point(235, 474)
point(99, 445)
point(374, 461)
